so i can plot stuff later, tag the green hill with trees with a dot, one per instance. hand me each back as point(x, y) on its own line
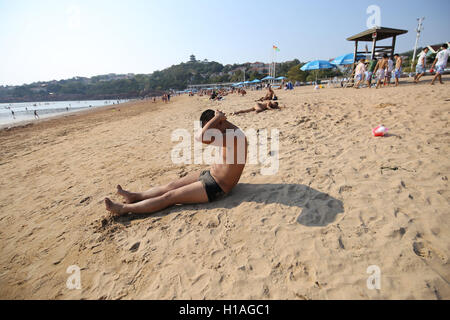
point(176, 77)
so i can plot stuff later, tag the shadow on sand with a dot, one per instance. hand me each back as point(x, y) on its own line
point(318, 209)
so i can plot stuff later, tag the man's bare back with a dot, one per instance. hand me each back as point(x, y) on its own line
point(398, 63)
point(228, 175)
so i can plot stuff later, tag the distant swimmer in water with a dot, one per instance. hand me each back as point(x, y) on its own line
point(260, 107)
point(36, 115)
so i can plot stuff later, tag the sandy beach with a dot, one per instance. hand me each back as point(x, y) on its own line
point(341, 201)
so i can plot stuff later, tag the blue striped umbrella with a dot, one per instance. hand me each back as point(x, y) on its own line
point(347, 59)
point(317, 65)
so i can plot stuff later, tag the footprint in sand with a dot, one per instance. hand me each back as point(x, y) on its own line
point(135, 247)
point(343, 189)
point(434, 259)
point(385, 105)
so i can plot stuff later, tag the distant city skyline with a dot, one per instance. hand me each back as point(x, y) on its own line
point(53, 40)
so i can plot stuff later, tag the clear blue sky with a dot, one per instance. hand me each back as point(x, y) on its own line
point(59, 39)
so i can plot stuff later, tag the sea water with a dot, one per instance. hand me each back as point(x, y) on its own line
point(24, 111)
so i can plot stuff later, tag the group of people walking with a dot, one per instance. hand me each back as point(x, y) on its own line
point(385, 68)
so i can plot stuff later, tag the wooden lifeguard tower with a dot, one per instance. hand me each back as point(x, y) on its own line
point(373, 35)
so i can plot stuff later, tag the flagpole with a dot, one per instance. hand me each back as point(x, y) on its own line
point(271, 63)
point(275, 64)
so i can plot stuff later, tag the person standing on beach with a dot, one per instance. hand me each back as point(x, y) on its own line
point(36, 115)
point(421, 65)
point(198, 187)
point(380, 69)
point(14, 116)
point(389, 69)
point(359, 72)
point(369, 72)
point(398, 68)
point(440, 62)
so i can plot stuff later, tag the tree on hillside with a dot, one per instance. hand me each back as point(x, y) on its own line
point(284, 67)
point(295, 74)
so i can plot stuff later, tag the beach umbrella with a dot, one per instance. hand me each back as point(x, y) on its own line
point(280, 78)
point(317, 65)
point(347, 59)
point(268, 78)
point(256, 81)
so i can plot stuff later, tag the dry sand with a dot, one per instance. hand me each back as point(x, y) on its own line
point(308, 232)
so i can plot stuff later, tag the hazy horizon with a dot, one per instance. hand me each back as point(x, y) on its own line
point(54, 40)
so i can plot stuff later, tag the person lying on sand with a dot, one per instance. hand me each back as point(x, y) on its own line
point(269, 96)
point(242, 92)
point(197, 187)
point(260, 107)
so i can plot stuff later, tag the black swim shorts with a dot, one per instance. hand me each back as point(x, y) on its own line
point(212, 188)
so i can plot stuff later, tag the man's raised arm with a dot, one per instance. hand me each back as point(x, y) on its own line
point(211, 125)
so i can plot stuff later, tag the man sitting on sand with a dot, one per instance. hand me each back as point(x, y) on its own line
point(260, 107)
point(269, 96)
point(215, 96)
point(242, 92)
point(197, 187)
